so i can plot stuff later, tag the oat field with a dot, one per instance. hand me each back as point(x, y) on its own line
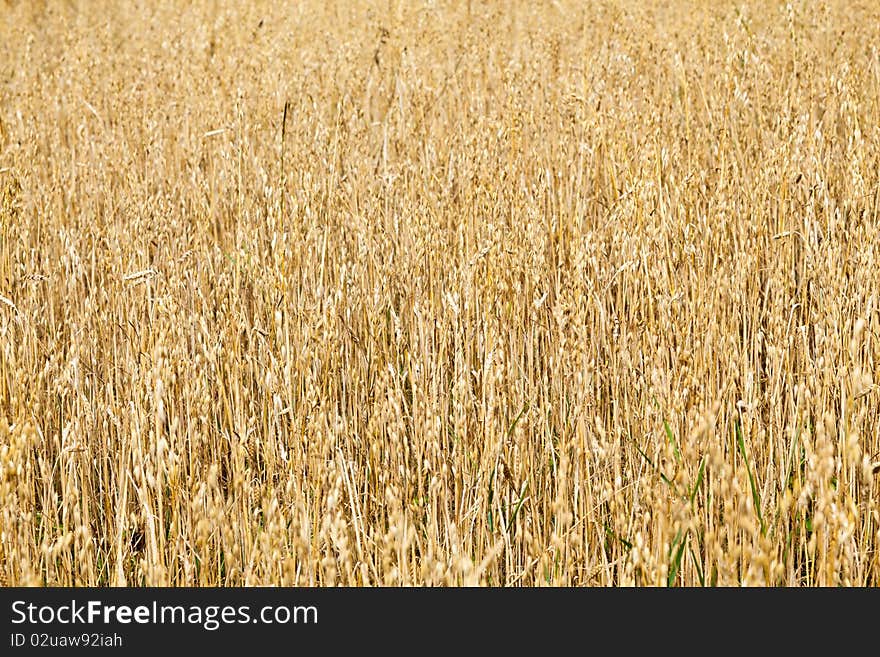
point(440, 293)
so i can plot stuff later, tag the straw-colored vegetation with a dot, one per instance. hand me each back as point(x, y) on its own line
point(515, 293)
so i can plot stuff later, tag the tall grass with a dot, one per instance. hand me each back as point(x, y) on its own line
point(439, 293)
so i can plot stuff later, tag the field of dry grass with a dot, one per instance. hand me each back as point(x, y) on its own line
point(403, 293)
